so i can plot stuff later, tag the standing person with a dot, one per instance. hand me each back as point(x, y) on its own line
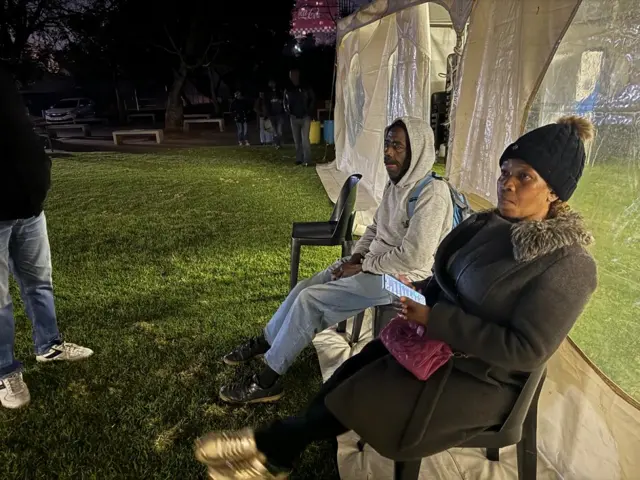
point(396, 243)
point(25, 170)
point(507, 287)
point(240, 109)
point(275, 110)
point(299, 103)
point(260, 108)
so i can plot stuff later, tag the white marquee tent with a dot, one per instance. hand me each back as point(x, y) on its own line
point(524, 64)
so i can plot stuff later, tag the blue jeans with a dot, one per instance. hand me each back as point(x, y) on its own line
point(24, 251)
point(300, 128)
point(265, 137)
point(243, 128)
point(277, 122)
point(316, 304)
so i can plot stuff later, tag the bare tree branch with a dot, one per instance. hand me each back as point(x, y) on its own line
point(173, 44)
point(168, 50)
point(204, 56)
point(210, 63)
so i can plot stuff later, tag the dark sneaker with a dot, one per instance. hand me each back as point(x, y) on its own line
point(255, 347)
point(250, 391)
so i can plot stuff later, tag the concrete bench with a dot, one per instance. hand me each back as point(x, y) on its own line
point(86, 129)
point(142, 115)
point(194, 116)
point(189, 121)
point(158, 134)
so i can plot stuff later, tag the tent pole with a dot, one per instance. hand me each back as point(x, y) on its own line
point(333, 87)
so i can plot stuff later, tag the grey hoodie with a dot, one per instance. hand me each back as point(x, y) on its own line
point(388, 245)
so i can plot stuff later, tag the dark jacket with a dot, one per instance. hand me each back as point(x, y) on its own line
point(240, 109)
point(274, 101)
point(300, 102)
point(507, 296)
point(25, 168)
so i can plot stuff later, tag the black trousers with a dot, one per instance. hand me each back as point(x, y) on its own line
point(284, 440)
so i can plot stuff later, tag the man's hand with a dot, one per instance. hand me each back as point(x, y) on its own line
point(356, 258)
point(414, 312)
point(346, 270)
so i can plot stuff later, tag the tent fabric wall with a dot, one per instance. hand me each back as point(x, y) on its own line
point(383, 73)
point(386, 69)
point(509, 46)
point(459, 11)
point(596, 73)
point(588, 428)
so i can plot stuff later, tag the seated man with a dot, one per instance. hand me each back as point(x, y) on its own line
point(393, 244)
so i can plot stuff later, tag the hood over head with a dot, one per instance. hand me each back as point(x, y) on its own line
point(423, 154)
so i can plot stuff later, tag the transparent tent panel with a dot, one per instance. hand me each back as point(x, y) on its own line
point(596, 73)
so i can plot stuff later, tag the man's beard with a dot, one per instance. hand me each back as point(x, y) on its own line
point(391, 161)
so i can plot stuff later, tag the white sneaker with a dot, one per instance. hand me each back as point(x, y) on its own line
point(246, 142)
point(13, 391)
point(65, 352)
point(241, 144)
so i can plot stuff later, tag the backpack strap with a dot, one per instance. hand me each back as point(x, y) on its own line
point(415, 193)
point(459, 199)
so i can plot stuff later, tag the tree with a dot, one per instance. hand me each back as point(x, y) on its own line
point(204, 40)
point(192, 37)
point(30, 30)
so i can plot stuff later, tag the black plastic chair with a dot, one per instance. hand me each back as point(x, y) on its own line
point(337, 231)
point(520, 428)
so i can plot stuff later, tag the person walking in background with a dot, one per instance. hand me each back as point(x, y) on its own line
point(275, 111)
point(25, 171)
point(240, 109)
point(260, 107)
point(299, 103)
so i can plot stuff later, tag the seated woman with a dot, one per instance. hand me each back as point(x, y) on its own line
point(507, 287)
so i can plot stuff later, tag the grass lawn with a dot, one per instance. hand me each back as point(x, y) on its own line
point(609, 331)
point(163, 262)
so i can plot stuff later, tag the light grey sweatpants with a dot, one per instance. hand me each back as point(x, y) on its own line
point(314, 305)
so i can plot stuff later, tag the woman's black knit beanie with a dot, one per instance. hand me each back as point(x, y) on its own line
point(556, 152)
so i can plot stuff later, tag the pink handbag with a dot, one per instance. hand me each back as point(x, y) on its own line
point(409, 345)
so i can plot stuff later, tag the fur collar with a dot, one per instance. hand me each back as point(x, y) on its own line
point(535, 239)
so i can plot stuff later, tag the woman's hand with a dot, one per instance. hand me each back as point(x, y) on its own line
point(414, 312)
point(404, 279)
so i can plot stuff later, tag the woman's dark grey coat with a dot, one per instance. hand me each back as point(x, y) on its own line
point(507, 295)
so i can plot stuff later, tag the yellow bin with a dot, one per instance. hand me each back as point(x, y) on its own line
point(314, 133)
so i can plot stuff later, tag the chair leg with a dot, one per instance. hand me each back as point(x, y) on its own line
point(347, 247)
point(406, 470)
point(295, 263)
point(527, 448)
point(342, 327)
point(493, 454)
point(357, 327)
point(377, 318)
